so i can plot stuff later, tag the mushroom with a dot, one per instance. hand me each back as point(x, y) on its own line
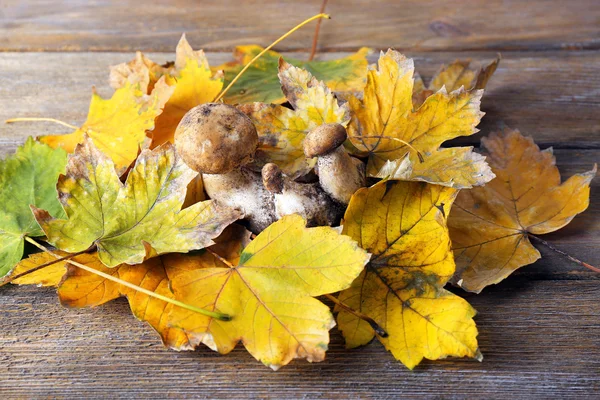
point(218, 140)
point(306, 199)
point(340, 175)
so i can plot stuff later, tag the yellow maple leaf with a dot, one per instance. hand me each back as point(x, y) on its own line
point(452, 77)
point(189, 78)
point(281, 131)
point(79, 288)
point(117, 125)
point(269, 294)
point(490, 226)
point(403, 225)
point(405, 144)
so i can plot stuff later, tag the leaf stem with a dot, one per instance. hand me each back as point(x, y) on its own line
point(378, 329)
point(318, 16)
point(42, 266)
point(421, 159)
point(216, 315)
point(56, 121)
point(313, 50)
point(562, 253)
point(222, 259)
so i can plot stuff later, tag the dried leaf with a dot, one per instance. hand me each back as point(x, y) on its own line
point(282, 130)
point(453, 77)
point(383, 120)
point(27, 177)
point(403, 225)
point(189, 79)
point(79, 288)
point(117, 126)
point(129, 222)
point(260, 84)
point(489, 225)
point(270, 293)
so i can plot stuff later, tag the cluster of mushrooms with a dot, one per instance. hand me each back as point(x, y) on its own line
point(219, 141)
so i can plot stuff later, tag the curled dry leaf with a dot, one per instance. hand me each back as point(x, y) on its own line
point(189, 80)
point(453, 77)
point(117, 125)
point(281, 130)
point(27, 177)
point(403, 225)
point(489, 225)
point(129, 222)
point(260, 84)
point(383, 122)
point(269, 294)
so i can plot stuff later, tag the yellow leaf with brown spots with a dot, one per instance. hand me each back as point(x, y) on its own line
point(281, 131)
point(403, 225)
point(453, 77)
point(404, 144)
point(490, 225)
point(117, 125)
point(270, 293)
point(131, 221)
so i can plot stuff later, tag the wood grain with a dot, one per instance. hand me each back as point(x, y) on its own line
point(539, 329)
point(437, 25)
point(552, 96)
point(539, 339)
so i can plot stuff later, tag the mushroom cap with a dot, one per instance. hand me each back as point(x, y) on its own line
point(216, 138)
point(272, 178)
point(324, 139)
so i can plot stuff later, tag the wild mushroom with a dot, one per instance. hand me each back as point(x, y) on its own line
point(306, 199)
point(217, 140)
point(340, 175)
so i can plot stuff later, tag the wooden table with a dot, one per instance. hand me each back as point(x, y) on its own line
point(539, 330)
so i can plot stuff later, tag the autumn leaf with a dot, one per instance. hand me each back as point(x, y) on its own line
point(403, 225)
point(127, 222)
point(282, 130)
point(81, 289)
point(260, 84)
point(190, 78)
point(490, 225)
point(118, 125)
point(27, 177)
point(269, 294)
point(453, 77)
point(383, 123)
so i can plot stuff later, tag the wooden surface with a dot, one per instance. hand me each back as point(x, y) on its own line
point(539, 330)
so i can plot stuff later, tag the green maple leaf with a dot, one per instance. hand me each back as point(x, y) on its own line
point(260, 82)
point(129, 222)
point(27, 177)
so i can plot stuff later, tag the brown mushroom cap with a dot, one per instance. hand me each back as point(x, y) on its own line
point(324, 139)
point(272, 178)
point(216, 138)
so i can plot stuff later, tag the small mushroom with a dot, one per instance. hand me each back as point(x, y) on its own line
point(218, 140)
point(306, 199)
point(340, 175)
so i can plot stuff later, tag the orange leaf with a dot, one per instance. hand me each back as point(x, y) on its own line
point(489, 225)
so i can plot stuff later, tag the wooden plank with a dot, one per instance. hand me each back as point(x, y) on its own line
point(553, 96)
point(539, 339)
point(436, 25)
point(547, 95)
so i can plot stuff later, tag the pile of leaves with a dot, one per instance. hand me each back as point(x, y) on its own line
point(116, 211)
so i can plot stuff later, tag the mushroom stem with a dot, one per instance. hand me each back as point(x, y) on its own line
point(242, 188)
point(306, 199)
point(340, 175)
